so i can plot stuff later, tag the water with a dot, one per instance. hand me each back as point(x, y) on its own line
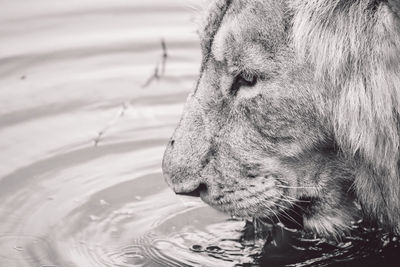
point(83, 126)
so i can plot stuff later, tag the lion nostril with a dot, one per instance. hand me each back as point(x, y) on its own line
point(195, 193)
point(172, 142)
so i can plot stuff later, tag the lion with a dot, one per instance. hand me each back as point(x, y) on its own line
point(296, 108)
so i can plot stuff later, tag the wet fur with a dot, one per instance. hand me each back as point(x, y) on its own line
point(318, 133)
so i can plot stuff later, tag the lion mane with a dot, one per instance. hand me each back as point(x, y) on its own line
point(354, 47)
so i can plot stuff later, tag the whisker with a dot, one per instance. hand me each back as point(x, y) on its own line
point(286, 200)
point(294, 199)
point(286, 215)
point(296, 187)
point(293, 204)
point(297, 200)
point(279, 205)
point(276, 216)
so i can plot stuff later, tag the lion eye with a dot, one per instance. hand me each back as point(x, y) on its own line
point(247, 79)
point(243, 79)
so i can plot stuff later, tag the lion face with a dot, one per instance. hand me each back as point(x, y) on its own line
point(257, 138)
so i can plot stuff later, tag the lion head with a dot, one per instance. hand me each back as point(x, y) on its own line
point(296, 109)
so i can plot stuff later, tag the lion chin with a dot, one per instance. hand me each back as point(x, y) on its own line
point(296, 113)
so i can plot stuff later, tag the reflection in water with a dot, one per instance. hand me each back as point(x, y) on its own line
point(73, 72)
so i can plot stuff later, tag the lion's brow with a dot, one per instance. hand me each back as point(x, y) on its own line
point(245, 46)
point(214, 21)
point(250, 56)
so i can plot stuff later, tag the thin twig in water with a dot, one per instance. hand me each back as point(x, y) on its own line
point(164, 56)
point(101, 133)
point(159, 70)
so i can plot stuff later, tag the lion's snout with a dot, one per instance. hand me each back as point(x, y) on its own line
point(188, 154)
point(192, 189)
point(178, 175)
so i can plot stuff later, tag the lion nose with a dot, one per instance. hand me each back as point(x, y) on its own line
point(192, 193)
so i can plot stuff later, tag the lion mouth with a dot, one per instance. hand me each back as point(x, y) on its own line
point(247, 207)
point(263, 197)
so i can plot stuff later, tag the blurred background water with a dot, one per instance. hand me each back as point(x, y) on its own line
point(90, 92)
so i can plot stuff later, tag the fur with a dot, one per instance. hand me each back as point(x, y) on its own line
point(354, 47)
point(316, 132)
